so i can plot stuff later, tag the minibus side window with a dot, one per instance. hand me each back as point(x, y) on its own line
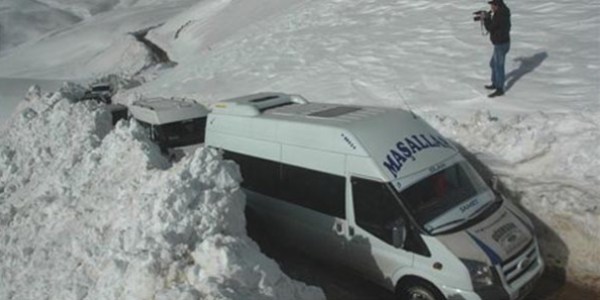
point(259, 175)
point(319, 191)
point(316, 190)
point(150, 129)
point(376, 210)
point(182, 133)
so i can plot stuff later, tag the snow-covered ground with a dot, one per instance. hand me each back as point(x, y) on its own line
point(542, 137)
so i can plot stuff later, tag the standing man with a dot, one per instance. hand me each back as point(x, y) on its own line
point(498, 25)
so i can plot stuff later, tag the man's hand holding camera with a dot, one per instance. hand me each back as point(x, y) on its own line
point(481, 15)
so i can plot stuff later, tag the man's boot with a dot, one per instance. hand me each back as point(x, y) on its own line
point(496, 93)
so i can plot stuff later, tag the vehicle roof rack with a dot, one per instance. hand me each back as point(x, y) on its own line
point(158, 111)
point(255, 104)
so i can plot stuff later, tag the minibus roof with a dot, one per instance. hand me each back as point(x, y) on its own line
point(398, 141)
point(158, 111)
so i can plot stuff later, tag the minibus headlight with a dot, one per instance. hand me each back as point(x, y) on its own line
point(482, 275)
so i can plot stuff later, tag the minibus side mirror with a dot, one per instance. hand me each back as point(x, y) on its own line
point(399, 235)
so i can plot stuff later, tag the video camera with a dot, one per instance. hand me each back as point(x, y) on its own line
point(481, 14)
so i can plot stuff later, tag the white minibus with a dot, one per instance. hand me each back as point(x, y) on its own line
point(379, 191)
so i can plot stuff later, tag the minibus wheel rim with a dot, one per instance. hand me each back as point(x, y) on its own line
point(419, 290)
point(419, 293)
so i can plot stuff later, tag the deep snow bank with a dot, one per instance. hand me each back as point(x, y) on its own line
point(550, 162)
point(90, 213)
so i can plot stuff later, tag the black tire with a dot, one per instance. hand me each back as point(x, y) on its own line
point(415, 289)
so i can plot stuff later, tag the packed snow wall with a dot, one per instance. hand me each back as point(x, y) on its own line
point(92, 212)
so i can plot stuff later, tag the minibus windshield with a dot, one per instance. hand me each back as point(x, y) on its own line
point(101, 88)
point(447, 198)
point(182, 133)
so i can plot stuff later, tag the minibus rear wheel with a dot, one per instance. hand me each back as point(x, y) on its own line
point(414, 288)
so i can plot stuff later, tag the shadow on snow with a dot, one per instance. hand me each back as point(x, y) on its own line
point(526, 65)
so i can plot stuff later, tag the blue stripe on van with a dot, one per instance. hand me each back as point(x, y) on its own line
point(495, 258)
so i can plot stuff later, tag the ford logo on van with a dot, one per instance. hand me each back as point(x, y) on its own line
point(524, 263)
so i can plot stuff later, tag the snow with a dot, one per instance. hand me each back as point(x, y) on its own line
point(101, 214)
point(12, 91)
point(22, 20)
point(541, 138)
point(69, 53)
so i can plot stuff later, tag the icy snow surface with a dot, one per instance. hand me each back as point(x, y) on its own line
point(542, 138)
point(89, 213)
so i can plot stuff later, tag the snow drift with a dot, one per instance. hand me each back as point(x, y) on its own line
point(92, 213)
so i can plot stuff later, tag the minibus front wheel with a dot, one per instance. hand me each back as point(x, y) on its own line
point(414, 288)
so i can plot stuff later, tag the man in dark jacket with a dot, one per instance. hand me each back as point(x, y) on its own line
point(498, 25)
